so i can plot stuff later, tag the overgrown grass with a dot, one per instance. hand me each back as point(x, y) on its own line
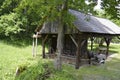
point(12, 56)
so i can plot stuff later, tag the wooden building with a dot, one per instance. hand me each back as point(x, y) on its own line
point(86, 27)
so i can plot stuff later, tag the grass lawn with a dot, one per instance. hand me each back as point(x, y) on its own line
point(13, 56)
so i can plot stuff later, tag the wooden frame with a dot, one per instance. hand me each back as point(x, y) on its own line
point(43, 45)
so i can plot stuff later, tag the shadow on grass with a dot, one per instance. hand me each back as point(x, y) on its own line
point(112, 49)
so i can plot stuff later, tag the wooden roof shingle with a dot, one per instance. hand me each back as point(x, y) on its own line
point(85, 23)
point(94, 24)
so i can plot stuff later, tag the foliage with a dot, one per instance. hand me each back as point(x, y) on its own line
point(8, 6)
point(11, 24)
point(110, 6)
point(117, 21)
point(32, 11)
point(108, 16)
point(1, 2)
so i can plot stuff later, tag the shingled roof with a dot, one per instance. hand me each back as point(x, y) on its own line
point(85, 24)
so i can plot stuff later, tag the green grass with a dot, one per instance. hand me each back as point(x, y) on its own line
point(13, 56)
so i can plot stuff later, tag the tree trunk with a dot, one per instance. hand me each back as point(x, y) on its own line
point(78, 55)
point(60, 39)
point(60, 42)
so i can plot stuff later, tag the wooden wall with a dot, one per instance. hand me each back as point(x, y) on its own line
point(69, 46)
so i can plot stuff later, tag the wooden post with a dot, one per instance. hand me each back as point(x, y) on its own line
point(43, 48)
point(91, 43)
point(35, 42)
point(78, 54)
point(43, 45)
point(33, 50)
point(36, 47)
point(84, 48)
point(107, 40)
point(107, 49)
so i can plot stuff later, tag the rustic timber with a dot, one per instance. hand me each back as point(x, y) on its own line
point(43, 45)
point(34, 49)
point(78, 55)
point(107, 40)
point(73, 40)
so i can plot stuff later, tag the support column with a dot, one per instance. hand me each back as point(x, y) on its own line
point(92, 43)
point(36, 46)
point(35, 42)
point(43, 48)
point(43, 45)
point(78, 54)
point(107, 40)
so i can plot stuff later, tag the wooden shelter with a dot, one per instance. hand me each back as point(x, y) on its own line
point(76, 38)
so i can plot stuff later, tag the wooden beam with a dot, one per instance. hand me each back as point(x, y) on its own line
point(83, 47)
point(43, 45)
point(107, 40)
point(78, 53)
point(92, 39)
point(34, 50)
point(73, 40)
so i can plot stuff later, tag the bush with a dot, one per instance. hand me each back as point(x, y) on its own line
point(11, 24)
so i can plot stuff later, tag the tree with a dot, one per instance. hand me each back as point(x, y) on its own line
point(11, 24)
point(50, 10)
point(8, 6)
point(38, 11)
point(110, 6)
point(60, 10)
